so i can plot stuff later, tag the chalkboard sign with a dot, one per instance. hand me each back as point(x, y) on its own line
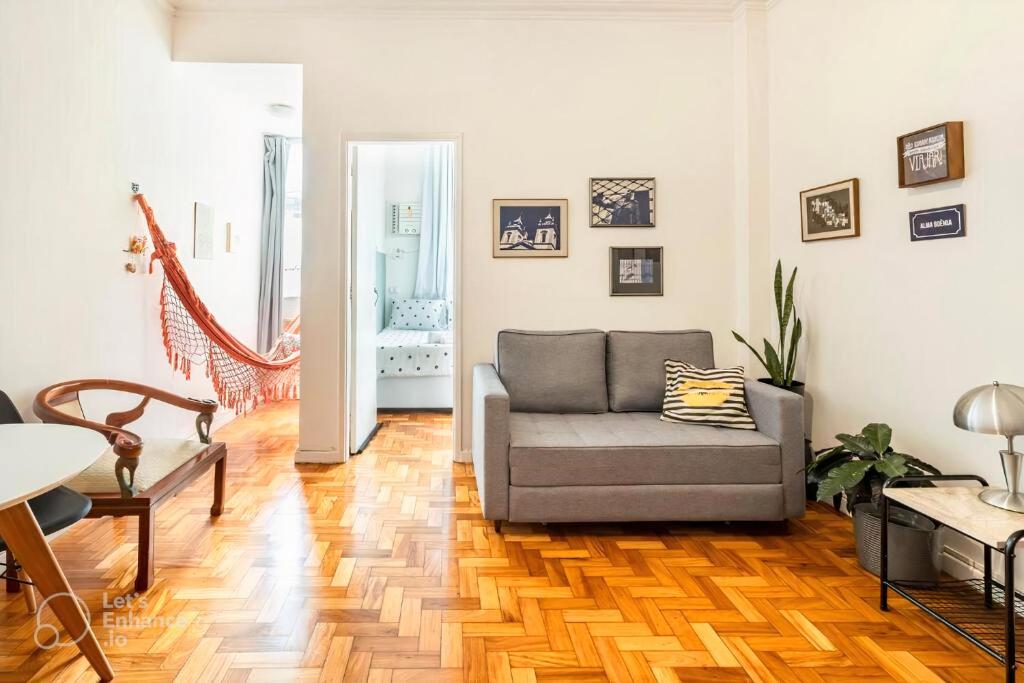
point(933, 224)
point(931, 155)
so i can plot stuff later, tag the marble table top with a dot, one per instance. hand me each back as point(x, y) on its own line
point(960, 508)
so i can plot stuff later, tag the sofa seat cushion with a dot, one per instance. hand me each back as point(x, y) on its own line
point(635, 448)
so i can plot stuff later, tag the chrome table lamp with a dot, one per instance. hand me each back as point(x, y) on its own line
point(997, 409)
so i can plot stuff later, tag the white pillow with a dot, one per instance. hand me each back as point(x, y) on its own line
point(418, 314)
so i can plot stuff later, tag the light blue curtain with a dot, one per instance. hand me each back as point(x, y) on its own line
point(275, 166)
point(434, 271)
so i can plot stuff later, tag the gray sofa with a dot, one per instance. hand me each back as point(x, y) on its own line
point(566, 428)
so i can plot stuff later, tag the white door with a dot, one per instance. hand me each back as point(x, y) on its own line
point(363, 317)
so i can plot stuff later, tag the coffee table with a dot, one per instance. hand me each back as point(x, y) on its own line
point(988, 614)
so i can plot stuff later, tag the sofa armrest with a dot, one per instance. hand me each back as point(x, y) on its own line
point(779, 414)
point(491, 440)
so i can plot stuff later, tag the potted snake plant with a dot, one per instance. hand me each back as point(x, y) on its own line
point(781, 363)
point(857, 469)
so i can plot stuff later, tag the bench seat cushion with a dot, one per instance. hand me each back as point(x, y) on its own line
point(635, 448)
point(159, 458)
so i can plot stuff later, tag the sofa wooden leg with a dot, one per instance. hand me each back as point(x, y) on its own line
point(497, 526)
point(147, 550)
point(219, 486)
point(11, 573)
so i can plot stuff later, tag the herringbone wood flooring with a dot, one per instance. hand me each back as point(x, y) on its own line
point(383, 570)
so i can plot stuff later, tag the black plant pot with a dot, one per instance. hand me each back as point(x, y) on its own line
point(796, 387)
point(915, 543)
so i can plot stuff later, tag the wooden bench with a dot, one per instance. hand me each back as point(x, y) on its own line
point(134, 476)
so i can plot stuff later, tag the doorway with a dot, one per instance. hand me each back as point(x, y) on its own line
point(402, 341)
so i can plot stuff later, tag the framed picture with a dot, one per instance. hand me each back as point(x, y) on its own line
point(830, 211)
point(530, 227)
point(622, 202)
point(636, 271)
point(931, 155)
point(934, 224)
point(202, 218)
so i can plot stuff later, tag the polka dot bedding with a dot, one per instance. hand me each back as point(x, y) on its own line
point(410, 353)
point(419, 314)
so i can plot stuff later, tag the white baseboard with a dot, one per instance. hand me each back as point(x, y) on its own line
point(317, 457)
point(961, 566)
point(465, 456)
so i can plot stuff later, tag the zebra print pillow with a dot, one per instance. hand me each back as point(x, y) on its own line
point(711, 397)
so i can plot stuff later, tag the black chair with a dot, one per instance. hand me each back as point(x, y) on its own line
point(54, 510)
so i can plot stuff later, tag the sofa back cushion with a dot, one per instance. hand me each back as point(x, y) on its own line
point(636, 365)
point(554, 372)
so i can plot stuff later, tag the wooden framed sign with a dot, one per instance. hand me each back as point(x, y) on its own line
point(933, 224)
point(931, 155)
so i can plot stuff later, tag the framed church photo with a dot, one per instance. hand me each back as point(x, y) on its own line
point(530, 227)
point(931, 155)
point(636, 271)
point(830, 211)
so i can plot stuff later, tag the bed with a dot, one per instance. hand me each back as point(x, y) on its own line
point(414, 369)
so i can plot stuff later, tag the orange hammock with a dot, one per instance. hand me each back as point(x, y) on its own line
point(241, 377)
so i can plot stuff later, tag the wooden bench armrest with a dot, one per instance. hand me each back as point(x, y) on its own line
point(126, 444)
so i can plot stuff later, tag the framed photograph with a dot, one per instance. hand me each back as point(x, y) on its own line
point(934, 224)
point(830, 211)
point(931, 155)
point(622, 202)
point(636, 271)
point(530, 227)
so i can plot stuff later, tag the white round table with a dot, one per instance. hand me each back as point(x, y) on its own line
point(37, 458)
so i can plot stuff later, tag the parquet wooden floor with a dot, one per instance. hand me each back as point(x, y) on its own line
point(383, 570)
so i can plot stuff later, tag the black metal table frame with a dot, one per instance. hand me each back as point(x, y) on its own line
point(1009, 596)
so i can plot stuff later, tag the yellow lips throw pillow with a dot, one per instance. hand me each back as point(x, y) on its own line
point(711, 397)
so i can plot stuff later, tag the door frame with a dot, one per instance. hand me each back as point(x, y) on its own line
point(347, 256)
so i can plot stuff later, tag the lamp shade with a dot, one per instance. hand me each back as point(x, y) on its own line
point(991, 409)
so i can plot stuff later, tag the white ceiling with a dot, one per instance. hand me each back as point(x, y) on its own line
point(694, 9)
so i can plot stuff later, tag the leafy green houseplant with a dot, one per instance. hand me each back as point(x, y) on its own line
point(859, 467)
point(780, 363)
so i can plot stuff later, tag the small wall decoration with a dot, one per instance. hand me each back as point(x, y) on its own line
point(137, 246)
point(830, 211)
point(530, 227)
point(931, 155)
point(636, 271)
point(622, 202)
point(203, 225)
point(933, 224)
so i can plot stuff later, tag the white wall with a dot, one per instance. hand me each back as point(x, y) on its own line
point(403, 171)
point(898, 330)
point(91, 102)
point(542, 106)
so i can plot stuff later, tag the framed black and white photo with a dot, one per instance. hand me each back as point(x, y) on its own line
point(622, 202)
point(530, 227)
point(934, 224)
point(931, 155)
point(636, 271)
point(830, 211)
